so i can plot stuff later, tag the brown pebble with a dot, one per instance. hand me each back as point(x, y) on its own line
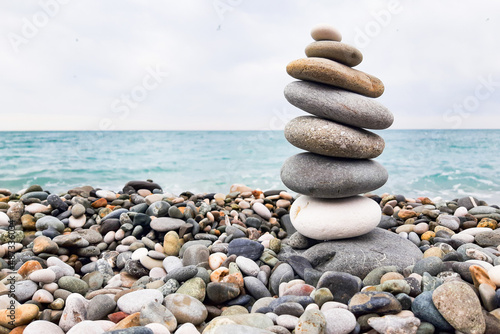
point(480, 276)
point(391, 276)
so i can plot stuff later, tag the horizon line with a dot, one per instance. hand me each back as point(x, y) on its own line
point(237, 130)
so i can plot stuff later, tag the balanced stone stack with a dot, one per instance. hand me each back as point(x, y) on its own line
point(338, 166)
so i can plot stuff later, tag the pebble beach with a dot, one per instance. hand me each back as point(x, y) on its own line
point(138, 260)
point(333, 256)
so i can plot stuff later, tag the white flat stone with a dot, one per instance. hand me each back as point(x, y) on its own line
point(4, 219)
point(468, 238)
point(133, 302)
point(475, 230)
point(483, 264)
point(330, 219)
point(77, 222)
point(494, 274)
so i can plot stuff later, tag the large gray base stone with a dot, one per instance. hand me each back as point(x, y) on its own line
point(358, 256)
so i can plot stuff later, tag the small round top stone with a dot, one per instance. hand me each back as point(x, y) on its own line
point(324, 31)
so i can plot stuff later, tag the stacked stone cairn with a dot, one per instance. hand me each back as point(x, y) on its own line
point(338, 166)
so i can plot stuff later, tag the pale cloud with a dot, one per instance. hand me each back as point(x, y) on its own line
point(228, 72)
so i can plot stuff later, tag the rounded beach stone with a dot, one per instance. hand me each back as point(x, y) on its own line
point(221, 292)
point(100, 306)
point(42, 296)
point(494, 274)
point(77, 222)
point(331, 73)
point(42, 326)
point(247, 266)
point(75, 311)
point(24, 290)
point(488, 238)
point(261, 210)
point(4, 219)
point(246, 247)
point(67, 270)
point(165, 224)
point(325, 31)
point(187, 328)
point(23, 314)
point(43, 244)
point(394, 324)
point(326, 177)
point(158, 329)
point(282, 273)
point(460, 306)
point(133, 302)
point(374, 302)
point(43, 276)
point(194, 287)
point(330, 219)
point(336, 51)
point(342, 285)
point(171, 244)
point(186, 309)
point(338, 105)
point(325, 137)
point(424, 309)
point(157, 313)
point(287, 321)
point(311, 321)
point(49, 221)
point(195, 255)
point(256, 288)
point(87, 327)
point(73, 284)
point(377, 248)
point(339, 320)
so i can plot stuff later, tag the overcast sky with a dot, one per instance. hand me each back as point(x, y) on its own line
point(220, 65)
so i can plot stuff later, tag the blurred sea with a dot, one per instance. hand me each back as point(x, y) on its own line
point(446, 163)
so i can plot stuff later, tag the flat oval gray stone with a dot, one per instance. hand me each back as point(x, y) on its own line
point(256, 288)
point(337, 51)
point(24, 290)
point(325, 137)
point(338, 105)
point(49, 221)
point(326, 177)
point(164, 224)
point(360, 255)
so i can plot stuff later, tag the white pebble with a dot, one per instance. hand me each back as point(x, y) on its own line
point(483, 264)
point(187, 329)
point(331, 305)
point(312, 306)
point(158, 328)
point(287, 321)
point(468, 238)
point(460, 212)
point(119, 235)
point(247, 266)
point(272, 316)
point(109, 237)
point(122, 248)
point(139, 253)
point(494, 274)
point(476, 230)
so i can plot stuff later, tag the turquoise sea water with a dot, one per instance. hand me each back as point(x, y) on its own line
point(446, 163)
